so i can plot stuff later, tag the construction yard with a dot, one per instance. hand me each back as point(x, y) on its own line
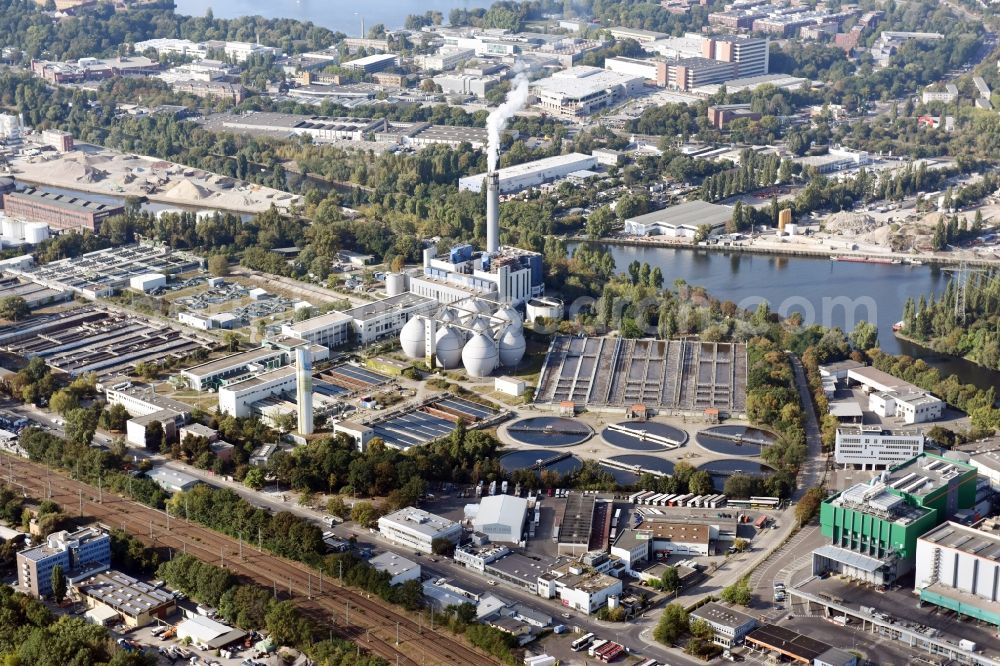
point(98, 170)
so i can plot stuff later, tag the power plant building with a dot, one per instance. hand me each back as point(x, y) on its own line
point(958, 568)
point(531, 174)
point(873, 528)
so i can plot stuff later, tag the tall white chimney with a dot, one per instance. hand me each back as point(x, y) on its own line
point(304, 388)
point(492, 212)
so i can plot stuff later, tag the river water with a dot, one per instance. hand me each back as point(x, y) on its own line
point(333, 14)
point(831, 293)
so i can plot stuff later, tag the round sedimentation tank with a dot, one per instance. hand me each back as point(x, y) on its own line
point(549, 431)
point(448, 347)
point(735, 440)
point(630, 467)
point(546, 308)
point(541, 460)
point(720, 470)
point(480, 355)
point(512, 346)
point(412, 338)
point(644, 436)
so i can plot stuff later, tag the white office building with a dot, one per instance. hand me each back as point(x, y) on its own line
point(729, 626)
point(237, 398)
point(242, 365)
point(417, 529)
point(399, 568)
point(579, 587)
point(501, 518)
point(645, 69)
point(873, 446)
point(891, 397)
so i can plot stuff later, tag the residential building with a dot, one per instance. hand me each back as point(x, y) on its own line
point(417, 529)
point(61, 141)
point(80, 554)
point(134, 602)
point(399, 568)
point(501, 518)
point(581, 90)
point(958, 568)
point(947, 96)
point(874, 446)
point(729, 626)
point(873, 528)
point(62, 212)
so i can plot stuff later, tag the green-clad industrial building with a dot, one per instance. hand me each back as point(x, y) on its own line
point(873, 528)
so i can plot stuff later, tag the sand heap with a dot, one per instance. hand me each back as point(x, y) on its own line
point(846, 222)
point(188, 190)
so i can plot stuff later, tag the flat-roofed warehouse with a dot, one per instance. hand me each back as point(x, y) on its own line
point(681, 221)
point(575, 522)
point(59, 211)
point(668, 374)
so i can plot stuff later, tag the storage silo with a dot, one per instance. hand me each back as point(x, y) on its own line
point(413, 338)
point(449, 347)
point(480, 356)
point(395, 284)
point(512, 346)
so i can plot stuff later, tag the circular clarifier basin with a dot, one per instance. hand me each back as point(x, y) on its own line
point(720, 470)
point(735, 440)
point(644, 436)
point(549, 431)
point(540, 459)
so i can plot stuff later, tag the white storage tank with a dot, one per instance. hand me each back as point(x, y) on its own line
point(546, 308)
point(11, 229)
point(507, 314)
point(448, 347)
point(480, 356)
point(35, 232)
point(412, 338)
point(148, 281)
point(512, 346)
point(395, 284)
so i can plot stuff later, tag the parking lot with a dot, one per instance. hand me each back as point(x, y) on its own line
point(172, 651)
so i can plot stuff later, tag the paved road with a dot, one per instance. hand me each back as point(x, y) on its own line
point(812, 471)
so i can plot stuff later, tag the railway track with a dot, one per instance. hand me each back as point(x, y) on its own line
point(349, 614)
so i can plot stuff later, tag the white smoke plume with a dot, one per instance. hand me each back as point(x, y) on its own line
point(517, 98)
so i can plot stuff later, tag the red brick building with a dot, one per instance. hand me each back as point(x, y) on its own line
point(60, 211)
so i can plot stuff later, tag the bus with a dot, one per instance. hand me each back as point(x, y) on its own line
point(650, 662)
point(582, 642)
point(595, 646)
point(609, 654)
point(765, 502)
point(738, 503)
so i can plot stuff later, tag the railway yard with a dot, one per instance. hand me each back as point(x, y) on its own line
point(379, 628)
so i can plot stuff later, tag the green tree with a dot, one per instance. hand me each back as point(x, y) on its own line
point(443, 547)
point(63, 402)
point(218, 265)
point(673, 623)
point(58, 584)
point(864, 336)
point(700, 483)
point(154, 436)
point(670, 580)
point(336, 506)
point(738, 593)
point(14, 308)
point(254, 478)
point(81, 424)
point(809, 505)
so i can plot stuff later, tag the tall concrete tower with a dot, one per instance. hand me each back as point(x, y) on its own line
point(493, 212)
point(304, 388)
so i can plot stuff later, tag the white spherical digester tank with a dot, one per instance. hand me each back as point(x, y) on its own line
point(448, 345)
point(512, 346)
point(480, 355)
point(412, 338)
point(479, 324)
point(509, 315)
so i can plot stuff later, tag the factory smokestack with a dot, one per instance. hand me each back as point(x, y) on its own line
point(492, 212)
point(304, 389)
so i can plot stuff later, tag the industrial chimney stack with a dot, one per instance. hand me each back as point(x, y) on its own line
point(304, 389)
point(492, 212)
